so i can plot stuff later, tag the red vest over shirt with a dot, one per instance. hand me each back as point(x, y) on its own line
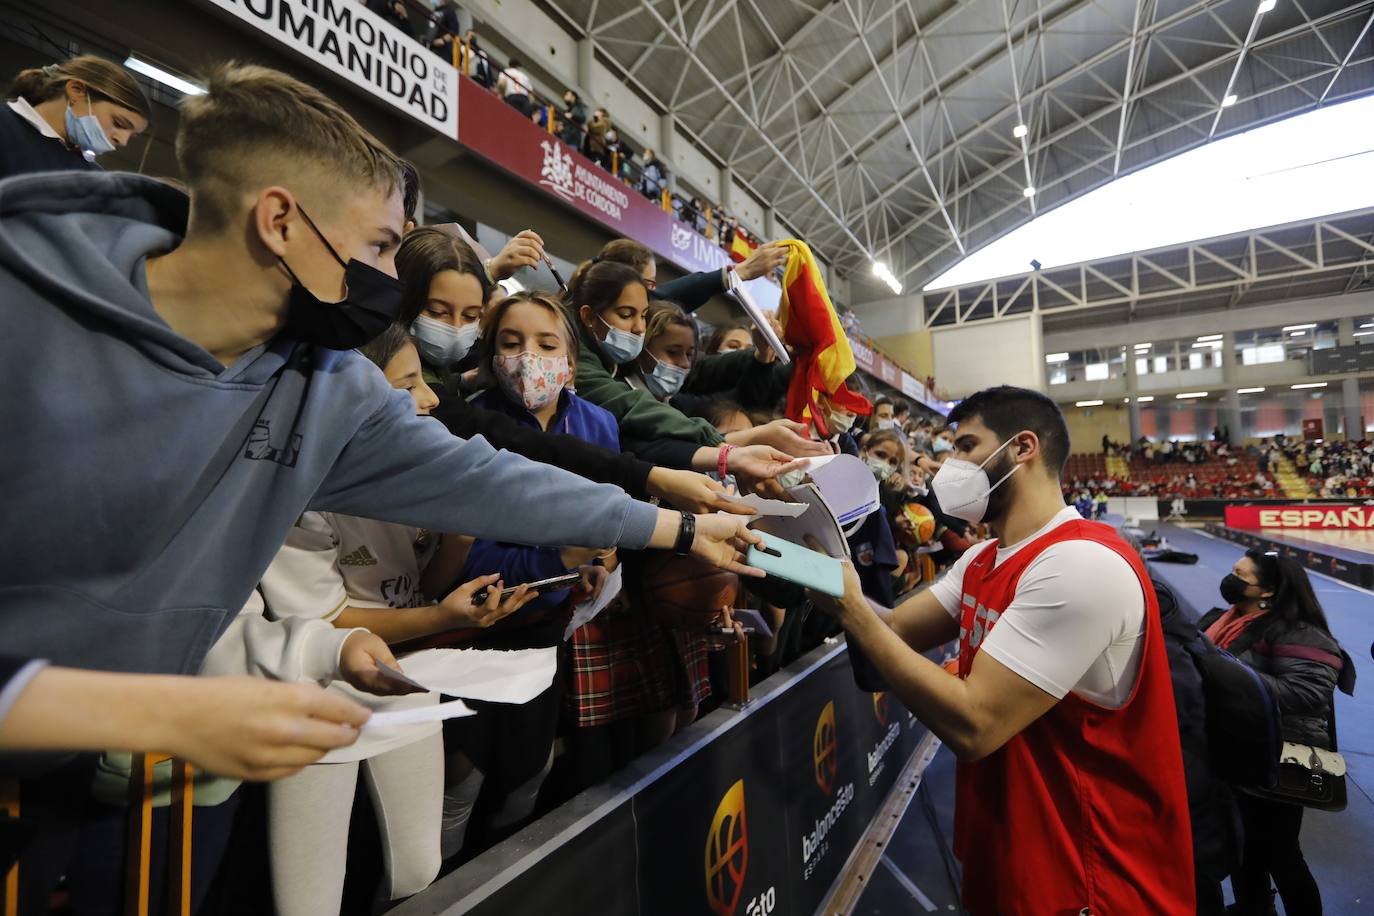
point(1086, 810)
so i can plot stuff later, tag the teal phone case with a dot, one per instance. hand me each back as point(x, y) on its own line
point(798, 564)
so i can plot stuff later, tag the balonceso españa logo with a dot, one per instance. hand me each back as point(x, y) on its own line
point(727, 852)
point(827, 762)
point(825, 759)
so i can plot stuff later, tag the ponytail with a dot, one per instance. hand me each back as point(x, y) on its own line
point(106, 81)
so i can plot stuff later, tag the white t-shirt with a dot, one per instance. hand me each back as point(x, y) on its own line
point(517, 81)
point(329, 561)
point(1076, 623)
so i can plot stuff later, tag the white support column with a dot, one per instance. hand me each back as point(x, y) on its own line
point(585, 56)
point(1350, 408)
point(1230, 405)
point(770, 225)
point(667, 147)
point(1133, 397)
point(727, 186)
point(1345, 332)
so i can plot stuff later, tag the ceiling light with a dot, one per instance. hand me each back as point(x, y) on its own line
point(1190, 394)
point(1297, 333)
point(1143, 346)
point(1145, 400)
point(1266, 6)
point(1028, 192)
point(1249, 390)
point(1300, 327)
point(1229, 100)
point(1210, 337)
point(1362, 333)
point(166, 77)
point(1056, 357)
point(1087, 404)
point(884, 273)
point(1021, 130)
point(1207, 344)
point(1309, 385)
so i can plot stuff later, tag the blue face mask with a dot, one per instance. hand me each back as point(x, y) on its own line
point(86, 134)
point(621, 346)
point(941, 445)
point(666, 379)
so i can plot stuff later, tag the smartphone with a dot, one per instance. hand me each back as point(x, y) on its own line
point(542, 587)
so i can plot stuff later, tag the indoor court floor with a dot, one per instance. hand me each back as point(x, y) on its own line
point(914, 878)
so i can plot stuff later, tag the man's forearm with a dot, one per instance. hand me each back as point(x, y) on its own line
point(938, 699)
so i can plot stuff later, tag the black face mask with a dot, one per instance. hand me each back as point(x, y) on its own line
point(1233, 589)
point(371, 302)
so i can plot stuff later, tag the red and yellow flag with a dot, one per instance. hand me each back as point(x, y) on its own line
point(810, 325)
point(741, 247)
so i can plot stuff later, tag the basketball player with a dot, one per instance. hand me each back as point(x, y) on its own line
point(1070, 795)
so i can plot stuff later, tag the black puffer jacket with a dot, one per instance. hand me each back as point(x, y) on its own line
point(1303, 665)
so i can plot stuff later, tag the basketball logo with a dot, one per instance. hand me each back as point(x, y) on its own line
point(727, 853)
point(823, 749)
point(880, 708)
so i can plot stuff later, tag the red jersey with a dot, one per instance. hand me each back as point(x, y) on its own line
point(1086, 810)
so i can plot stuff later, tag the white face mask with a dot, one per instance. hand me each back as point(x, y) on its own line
point(962, 487)
point(440, 343)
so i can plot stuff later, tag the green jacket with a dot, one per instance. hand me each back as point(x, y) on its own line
point(640, 414)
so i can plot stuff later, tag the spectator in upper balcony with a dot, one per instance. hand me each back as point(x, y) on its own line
point(653, 179)
point(618, 155)
point(479, 67)
point(63, 116)
point(394, 12)
point(574, 119)
point(444, 28)
point(595, 147)
point(514, 86)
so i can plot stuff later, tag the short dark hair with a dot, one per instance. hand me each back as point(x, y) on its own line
point(881, 401)
point(514, 62)
point(1006, 410)
point(410, 189)
point(900, 407)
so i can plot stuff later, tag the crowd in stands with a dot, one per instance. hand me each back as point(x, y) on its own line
point(369, 513)
point(1333, 469)
point(447, 31)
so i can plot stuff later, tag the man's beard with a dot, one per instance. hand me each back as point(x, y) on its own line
point(1001, 498)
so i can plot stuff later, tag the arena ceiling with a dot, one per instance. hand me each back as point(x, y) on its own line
point(887, 128)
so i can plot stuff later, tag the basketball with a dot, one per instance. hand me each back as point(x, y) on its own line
point(685, 592)
point(922, 522)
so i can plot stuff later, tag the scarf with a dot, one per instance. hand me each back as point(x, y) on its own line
point(1229, 626)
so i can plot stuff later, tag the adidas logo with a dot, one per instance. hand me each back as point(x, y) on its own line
point(360, 557)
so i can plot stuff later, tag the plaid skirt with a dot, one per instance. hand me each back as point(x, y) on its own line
point(624, 664)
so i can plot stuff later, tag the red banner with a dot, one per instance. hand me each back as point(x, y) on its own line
point(1312, 428)
point(1330, 517)
point(500, 134)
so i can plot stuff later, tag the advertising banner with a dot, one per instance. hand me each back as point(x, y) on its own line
point(498, 133)
point(717, 832)
point(350, 41)
point(1327, 517)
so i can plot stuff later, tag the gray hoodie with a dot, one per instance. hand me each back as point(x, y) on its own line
point(111, 422)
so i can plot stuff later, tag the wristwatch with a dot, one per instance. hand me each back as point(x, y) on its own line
point(686, 535)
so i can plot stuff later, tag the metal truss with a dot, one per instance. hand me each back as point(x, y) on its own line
point(910, 129)
point(1233, 270)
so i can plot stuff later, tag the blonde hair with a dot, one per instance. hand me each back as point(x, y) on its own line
point(664, 315)
point(255, 127)
point(491, 326)
point(889, 435)
point(105, 81)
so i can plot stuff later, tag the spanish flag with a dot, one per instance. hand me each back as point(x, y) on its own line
point(741, 247)
point(810, 325)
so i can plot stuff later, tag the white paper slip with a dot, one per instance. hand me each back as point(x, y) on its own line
point(765, 507)
point(588, 610)
point(756, 315)
point(849, 488)
point(811, 465)
point(435, 713)
point(515, 676)
point(818, 521)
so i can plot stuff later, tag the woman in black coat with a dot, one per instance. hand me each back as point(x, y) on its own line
point(1276, 626)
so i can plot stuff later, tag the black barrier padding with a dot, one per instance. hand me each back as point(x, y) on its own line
point(729, 827)
point(1216, 508)
point(1314, 558)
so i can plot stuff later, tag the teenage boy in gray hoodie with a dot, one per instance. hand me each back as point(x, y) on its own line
point(179, 388)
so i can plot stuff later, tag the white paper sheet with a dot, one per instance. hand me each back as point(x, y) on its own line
point(437, 712)
point(818, 521)
point(756, 315)
point(849, 487)
point(515, 676)
point(766, 507)
point(588, 610)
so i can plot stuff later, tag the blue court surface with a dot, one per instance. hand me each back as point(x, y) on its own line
point(914, 878)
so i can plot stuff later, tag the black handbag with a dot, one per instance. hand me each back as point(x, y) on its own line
point(1311, 776)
